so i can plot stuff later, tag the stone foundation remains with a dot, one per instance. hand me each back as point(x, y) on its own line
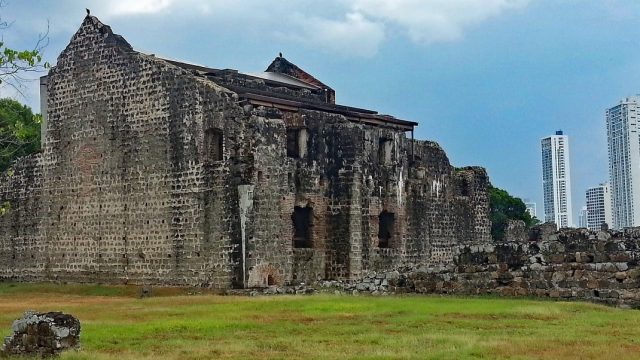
point(42, 334)
point(576, 264)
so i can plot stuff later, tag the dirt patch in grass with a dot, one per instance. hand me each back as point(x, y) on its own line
point(499, 317)
point(564, 349)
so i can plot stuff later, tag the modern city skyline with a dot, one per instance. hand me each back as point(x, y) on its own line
point(624, 161)
point(599, 208)
point(556, 180)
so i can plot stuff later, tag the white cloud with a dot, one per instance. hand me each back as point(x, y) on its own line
point(428, 21)
point(219, 8)
point(128, 7)
point(348, 27)
point(353, 35)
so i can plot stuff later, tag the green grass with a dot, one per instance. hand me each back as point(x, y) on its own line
point(117, 325)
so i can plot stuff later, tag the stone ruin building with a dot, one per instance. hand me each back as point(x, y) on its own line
point(154, 171)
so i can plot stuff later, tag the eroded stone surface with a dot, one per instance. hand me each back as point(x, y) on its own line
point(42, 334)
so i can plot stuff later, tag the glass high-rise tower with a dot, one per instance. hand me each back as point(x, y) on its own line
point(556, 180)
point(624, 161)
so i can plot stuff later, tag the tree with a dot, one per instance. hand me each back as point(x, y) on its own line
point(19, 131)
point(19, 127)
point(15, 63)
point(504, 207)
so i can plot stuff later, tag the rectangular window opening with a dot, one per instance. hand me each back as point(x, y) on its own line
point(293, 147)
point(297, 140)
point(386, 225)
point(213, 144)
point(385, 151)
point(302, 219)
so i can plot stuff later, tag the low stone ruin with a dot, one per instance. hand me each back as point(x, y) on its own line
point(598, 266)
point(43, 334)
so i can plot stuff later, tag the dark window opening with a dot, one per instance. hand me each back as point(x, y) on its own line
point(270, 280)
point(464, 187)
point(302, 223)
point(385, 150)
point(297, 140)
point(213, 144)
point(293, 147)
point(386, 222)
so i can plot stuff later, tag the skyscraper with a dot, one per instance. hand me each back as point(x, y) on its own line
point(583, 217)
point(599, 209)
point(556, 180)
point(624, 162)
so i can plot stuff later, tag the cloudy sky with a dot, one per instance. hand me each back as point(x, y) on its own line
point(487, 79)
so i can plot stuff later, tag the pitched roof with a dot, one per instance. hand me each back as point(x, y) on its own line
point(281, 65)
point(285, 92)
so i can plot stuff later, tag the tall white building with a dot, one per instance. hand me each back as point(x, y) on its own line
point(531, 208)
point(583, 217)
point(599, 209)
point(556, 180)
point(624, 162)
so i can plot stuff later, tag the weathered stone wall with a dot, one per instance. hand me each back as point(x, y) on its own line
point(346, 183)
point(153, 173)
point(576, 263)
point(568, 264)
point(126, 191)
point(23, 245)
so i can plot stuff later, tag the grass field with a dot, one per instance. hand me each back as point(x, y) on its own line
point(118, 325)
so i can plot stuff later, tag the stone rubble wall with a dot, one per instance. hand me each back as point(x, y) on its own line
point(574, 264)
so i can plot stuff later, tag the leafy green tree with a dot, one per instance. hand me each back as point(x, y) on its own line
point(19, 127)
point(14, 64)
point(504, 207)
point(19, 131)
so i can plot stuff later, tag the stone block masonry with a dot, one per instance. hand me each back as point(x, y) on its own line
point(571, 264)
point(568, 264)
point(160, 172)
